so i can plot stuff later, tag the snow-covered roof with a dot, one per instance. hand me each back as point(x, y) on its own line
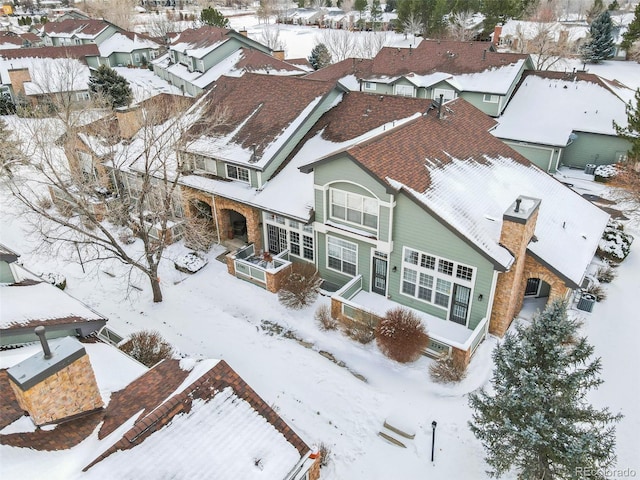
point(527, 30)
point(37, 303)
point(122, 43)
point(548, 110)
point(49, 75)
point(496, 80)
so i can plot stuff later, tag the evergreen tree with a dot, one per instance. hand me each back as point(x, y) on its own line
point(7, 107)
point(537, 419)
point(10, 153)
point(497, 11)
point(105, 81)
point(633, 33)
point(594, 12)
point(631, 132)
point(320, 56)
point(390, 6)
point(360, 7)
point(376, 14)
point(213, 17)
point(600, 46)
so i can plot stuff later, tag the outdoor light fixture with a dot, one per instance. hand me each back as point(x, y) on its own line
point(434, 424)
point(480, 297)
point(394, 269)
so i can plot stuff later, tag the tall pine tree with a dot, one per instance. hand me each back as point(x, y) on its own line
point(537, 419)
point(114, 88)
point(213, 17)
point(631, 132)
point(600, 46)
point(633, 31)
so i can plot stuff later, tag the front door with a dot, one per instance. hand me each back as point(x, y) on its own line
point(277, 238)
point(379, 277)
point(460, 304)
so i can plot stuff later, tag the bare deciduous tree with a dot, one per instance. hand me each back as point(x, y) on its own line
point(340, 43)
point(270, 37)
point(370, 43)
point(118, 12)
point(459, 26)
point(413, 25)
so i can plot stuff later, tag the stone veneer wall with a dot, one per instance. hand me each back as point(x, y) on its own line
point(67, 393)
point(314, 470)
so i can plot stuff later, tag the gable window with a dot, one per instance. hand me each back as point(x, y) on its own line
point(490, 98)
point(447, 94)
point(82, 96)
point(404, 90)
point(438, 281)
point(342, 255)
point(204, 164)
point(369, 86)
point(289, 235)
point(354, 208)
point(238, 173)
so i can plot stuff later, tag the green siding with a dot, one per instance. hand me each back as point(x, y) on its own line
point(220, 53)
point(6, 276)
point(594, 148)
point(415, 228)
point(476, 99)
point(543, 156)
point(338, 278)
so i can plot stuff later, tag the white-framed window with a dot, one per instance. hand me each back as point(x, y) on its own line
point(201, 65)
point(447, 94)
point(204, 164)
point(404, 90)
point(82, 96)
point(438, 281)
point(136, 57)
point(238, 173)
point(283, 234)
point(354, 208)
point(371, 86)
point(342, 256)
point(487, 98)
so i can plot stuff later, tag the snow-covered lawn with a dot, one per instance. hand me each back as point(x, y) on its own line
point(214, 315)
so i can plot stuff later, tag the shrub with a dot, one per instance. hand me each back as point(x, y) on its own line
point(598, 291)
point(325, 453)
point(190, 262)
point(446, 370)
point(44, 202)
point(148, 347)
point(605, 274)
point(324, 318)
point(615, 244)
point(300, 288)
point(55, 279)
point(361, 331)
point(401, 335)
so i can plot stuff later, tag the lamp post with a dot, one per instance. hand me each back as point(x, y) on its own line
point(434, 424)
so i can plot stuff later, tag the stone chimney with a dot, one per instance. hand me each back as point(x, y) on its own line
point(57, 384)
point(518, 227)
point(129, 121)
point(279, 54)
point(497, 32)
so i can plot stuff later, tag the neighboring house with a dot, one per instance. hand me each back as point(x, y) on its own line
point(557, 118)
point(28, 302)
point(302, 16)
point(31, 75)
point(77, 32)
point(96, 413)
point(198, 57)
point(471, 70)
point(10, 40)
point(128, 49)
point(517, 35)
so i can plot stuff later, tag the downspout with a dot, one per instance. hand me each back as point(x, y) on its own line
point(492, 294)
point(215, 214)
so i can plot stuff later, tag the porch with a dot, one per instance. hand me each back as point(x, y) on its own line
point(263, 269)
point(446, 338)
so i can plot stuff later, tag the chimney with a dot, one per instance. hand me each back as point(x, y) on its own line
point(243, 32)
point(518, 228)
point(279, 54)
point(497, 32)
point(440, 105)
point(57, 386)
point(129, 121)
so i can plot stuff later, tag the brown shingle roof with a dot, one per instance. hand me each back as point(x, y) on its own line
point(78, 52)
point(446, 56)
point(256, 60)
point(72, 25)
point(265, 103)
point(201, 37)
point(360, 67)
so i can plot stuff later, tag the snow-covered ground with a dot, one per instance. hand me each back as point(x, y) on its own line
point(213, 315)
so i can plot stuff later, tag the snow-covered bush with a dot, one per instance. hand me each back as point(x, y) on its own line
point(148, 347)
point(190, 262)
point(324, 318)
point(300, 288)
point(446, 370)
point(401, 336)
point(362, 331)
point(615, 244)
point(605, 274)
point(597, 291)
point(55, 279)
point(604, 172)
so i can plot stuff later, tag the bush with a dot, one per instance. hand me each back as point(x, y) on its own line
point(300, 288)
point(446, 370)
point(190, 262)
point(605, 274)
point(324, 318)
point(615, 244)
point(148, 347)
point(598, 291)
point(325, 453)
point(401, 335)
point(361, 331)
point(55, 279)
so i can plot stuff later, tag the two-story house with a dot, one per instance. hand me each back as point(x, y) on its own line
point(77, 32)
point(198, 57)
point(124, 49)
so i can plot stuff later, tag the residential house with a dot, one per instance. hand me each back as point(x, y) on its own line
point(198, 57)
point(93, 411)
point(549, 122)
point(520, 35)
point(471, 70)
point(128, 49)
point(28, 302)
point(11, 40)
point(77, 32)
